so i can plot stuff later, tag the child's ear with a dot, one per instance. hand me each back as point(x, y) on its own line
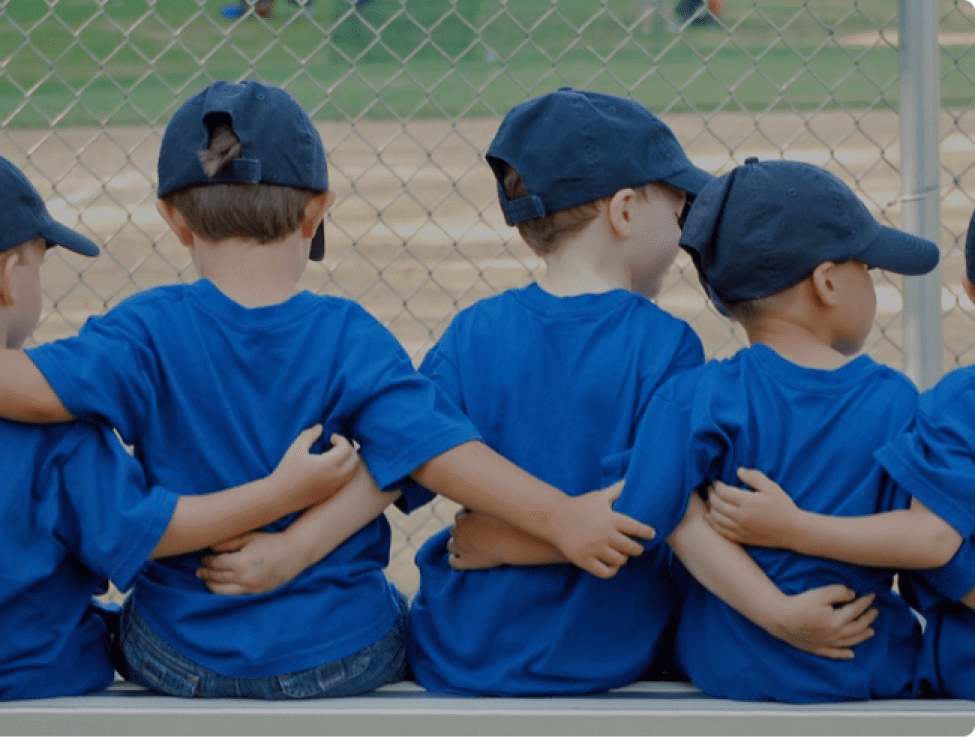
point(969, 288)
point(824, 286)
point(620, 212)
point(315, 212)
point(176, 222)
point(8, 262)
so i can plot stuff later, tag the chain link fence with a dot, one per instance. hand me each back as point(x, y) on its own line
point(407, 95)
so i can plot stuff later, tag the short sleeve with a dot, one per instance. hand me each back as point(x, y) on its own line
point(657, 489)
point(439, 368)
point(401, 419)
point(689, 353)
point(935, 462)
point(107, 516)
point(957, 577)
point(103, 374)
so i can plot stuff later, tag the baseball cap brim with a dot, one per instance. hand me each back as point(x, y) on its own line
point(691, 180)
point(970, 250)
point(900, 252)
point(56, 234)
point(317, 252)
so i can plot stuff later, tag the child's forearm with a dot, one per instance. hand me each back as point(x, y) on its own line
point(768, 517)
point(25, 395)
point(301, 479)
point(201, 521)
point(324, 527)
point(478, 478)
point(908, 538)
point(826, 622)
point(585, 528)
point(478, 541)
point(725, 569)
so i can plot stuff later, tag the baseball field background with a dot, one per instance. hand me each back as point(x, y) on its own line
point(407, 95)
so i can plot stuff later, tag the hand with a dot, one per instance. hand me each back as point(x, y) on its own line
point(474, 541)
point(254, 563)
point(305, 478)
point(828, 621)
point(766, 517)
point(596, 538)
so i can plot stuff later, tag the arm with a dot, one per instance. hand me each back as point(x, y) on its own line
point(25, 395)
point(479, 541)
point(300, 480)
point(585, 528)
point(828, 621)
point(259, 562)
point(767, 517)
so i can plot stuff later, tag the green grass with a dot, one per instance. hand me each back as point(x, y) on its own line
point(95, 62)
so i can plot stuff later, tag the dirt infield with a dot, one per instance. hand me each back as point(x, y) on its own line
point(417, 234)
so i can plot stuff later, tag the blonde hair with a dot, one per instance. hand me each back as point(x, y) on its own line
point(546, 234)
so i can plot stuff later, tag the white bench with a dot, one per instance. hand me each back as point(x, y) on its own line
point(405, 708)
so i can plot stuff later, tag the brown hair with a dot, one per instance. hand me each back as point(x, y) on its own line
point(264, 212)
point(544, 235)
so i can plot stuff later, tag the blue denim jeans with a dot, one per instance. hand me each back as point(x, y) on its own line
point(154, 664)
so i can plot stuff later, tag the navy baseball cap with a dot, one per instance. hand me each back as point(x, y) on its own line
point(970, 250)
point(279, 143)
point(25, 217)
point(571, 147)
point(766, 226)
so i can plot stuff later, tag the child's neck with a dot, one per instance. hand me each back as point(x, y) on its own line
point(253, 274)
point(795, 342)
point(584, 265)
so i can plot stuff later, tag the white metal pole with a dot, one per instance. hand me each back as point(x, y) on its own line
point(921, 192)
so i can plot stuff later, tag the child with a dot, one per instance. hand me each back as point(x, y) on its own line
point(209, 380)
point(934, 462)
point(76, 509)
point(785, 248)
point(556, 376)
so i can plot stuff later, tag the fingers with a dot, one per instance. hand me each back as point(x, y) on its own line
point(724, 526)
point(622, 544)
point(728, 497)
point(600, 570)
point(836, 594)
point(216, 575)
point(225, 589)
point(834, 653)
point(307, 438)
point(757, 480)
point(634, 528)
point(751, 477)
point(613, 492)
point(232, 545)
point(857, 607)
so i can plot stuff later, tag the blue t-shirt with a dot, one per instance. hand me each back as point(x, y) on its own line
point(935, 462)
point(75, 512)
point(556, 385)
point(815, 433)
point(211, 394)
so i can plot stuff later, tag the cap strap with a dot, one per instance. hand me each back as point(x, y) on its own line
point(521, 209)
point(247, 170)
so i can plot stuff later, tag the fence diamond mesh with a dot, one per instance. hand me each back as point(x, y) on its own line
point(407, 95)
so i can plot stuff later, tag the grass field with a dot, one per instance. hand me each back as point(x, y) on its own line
point(129, 62)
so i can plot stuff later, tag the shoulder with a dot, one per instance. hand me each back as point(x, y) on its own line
point(142, 307)
point(53, 445)
point(891, 385)
point(954, 394)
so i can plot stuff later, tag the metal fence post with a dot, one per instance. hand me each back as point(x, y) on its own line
point(921, 193)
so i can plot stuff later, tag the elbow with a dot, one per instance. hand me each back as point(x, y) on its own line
point(945, 542)
point(47, 414)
